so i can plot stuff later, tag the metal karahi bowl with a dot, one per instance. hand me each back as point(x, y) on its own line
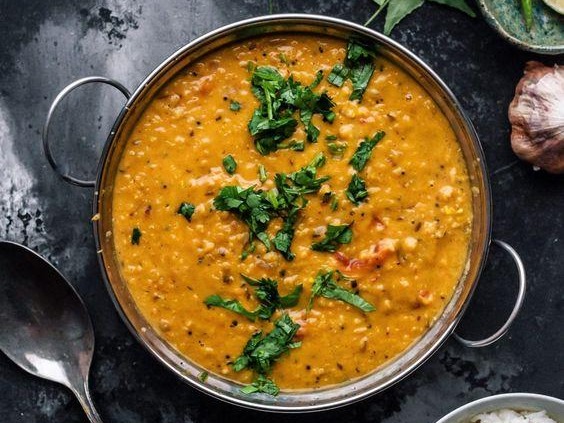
point(299, 400)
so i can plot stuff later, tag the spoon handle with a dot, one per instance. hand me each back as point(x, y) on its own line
point(83, 394)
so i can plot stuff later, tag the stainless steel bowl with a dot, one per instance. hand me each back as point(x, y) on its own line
point(554, 407)
point(303, 400)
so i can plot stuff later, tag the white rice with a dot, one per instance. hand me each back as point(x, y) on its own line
point(510, 416)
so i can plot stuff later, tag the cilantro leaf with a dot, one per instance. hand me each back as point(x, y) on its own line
point(135, 236)
point(335, 235)
point(268, 133)
point(337, 148)
point(187, 210)
point(250, 206)
point(272, 122)
point(229, 164)
point(203, 376)
point(284, 237)
point(231, 305)
point(261, 384)
point(260, 353)
point(358, 67)
point(266, 291)
point(325, 285)
point(234, 106)
point(338, 75)
point(356, 191)
point(360, 77)
point(262, 173)
point(317, 80)
point(364, 151)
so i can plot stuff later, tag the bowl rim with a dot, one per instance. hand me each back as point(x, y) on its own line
point(482, 245)
point(493, 22)
point(483, 405)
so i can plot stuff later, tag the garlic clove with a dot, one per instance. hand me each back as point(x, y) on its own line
point(537, 117)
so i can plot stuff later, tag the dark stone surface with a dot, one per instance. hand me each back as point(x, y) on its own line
point(46, 44)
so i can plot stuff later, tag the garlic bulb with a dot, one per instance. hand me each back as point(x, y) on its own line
point(537, 117)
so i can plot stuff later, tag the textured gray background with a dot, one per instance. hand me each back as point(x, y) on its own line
point(46, 44)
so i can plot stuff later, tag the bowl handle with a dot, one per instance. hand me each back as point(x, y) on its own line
point(45, 136)
point(518, 302)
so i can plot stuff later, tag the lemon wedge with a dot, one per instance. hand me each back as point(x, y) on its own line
point(557, 5)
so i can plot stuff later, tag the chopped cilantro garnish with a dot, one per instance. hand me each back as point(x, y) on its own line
point(135, 236)
point(187, 210)
point(356, 191)
point(266, 292)
point(337, 148)
point(257, 208)
point(330, 137)
point(231, 305)
point(335, 235)
point(364, 151)
point(284, 237)
point(358, 67)
point(235, 106)
point(203, 376)
point(251, 206)
point(326, 286)
point(262, 173)
point(338, 75)
point(334, 203)
point(229, 164)
point(317, 80)
point(261, 384)
point(260, 352)
point(273, 122)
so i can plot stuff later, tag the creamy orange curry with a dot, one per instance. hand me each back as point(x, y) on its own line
point(292, 212)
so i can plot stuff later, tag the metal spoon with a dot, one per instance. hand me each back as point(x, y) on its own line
point(44, 326)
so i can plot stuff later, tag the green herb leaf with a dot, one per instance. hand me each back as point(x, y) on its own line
point(325, 285)
point(330, 137)
point(364, 151)
point(260, 353)
point(397, 10)
point(250, 206)
point(229, 164)
point(272, 122)
point(187, 210)
point(235, 106)
point(261, 384)
point(358, 67)
point(135, 236)
point(231, 305)
point(335, 235)
point(338, 75)
point(360, 77)
point(266, 291)
point(457, 4)
point(356, 191)
point(284, 237)
point(337, 148)
point(262, 173)
point(203, 376)
point(317, 80)
point(334, 203)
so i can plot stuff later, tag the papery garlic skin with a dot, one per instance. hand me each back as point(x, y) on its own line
point(537, 117)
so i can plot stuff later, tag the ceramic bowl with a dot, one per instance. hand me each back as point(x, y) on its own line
point(546, 35)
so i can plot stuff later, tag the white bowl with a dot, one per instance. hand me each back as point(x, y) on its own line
point(519, 402)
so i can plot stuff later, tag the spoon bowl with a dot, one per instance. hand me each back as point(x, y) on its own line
point(44, 326)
